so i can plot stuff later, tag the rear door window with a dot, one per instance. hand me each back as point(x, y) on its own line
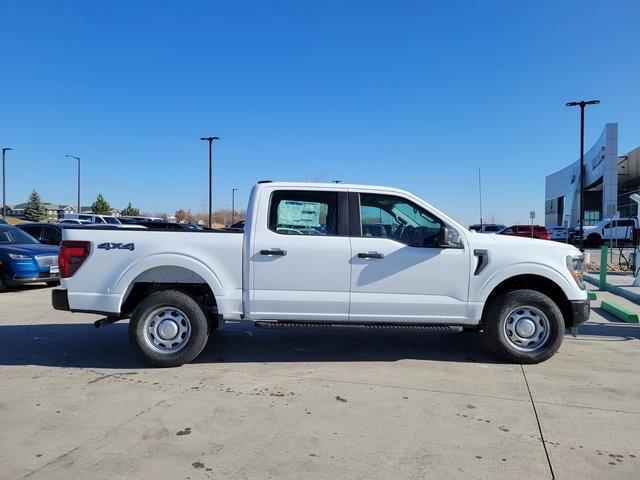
point(304, 213)
point(33, 230)
point(51, 235)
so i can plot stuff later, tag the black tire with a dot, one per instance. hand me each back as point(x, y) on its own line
point(3, 283)
point(498, 313)
point(594, 240)
point(172, 299)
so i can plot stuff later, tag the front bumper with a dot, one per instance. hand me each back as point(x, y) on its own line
point(580, 310)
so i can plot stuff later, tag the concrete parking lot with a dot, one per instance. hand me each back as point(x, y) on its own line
point(75, 403)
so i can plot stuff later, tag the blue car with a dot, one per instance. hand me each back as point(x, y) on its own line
point(25, 260)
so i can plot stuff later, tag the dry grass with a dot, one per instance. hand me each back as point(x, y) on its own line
point(14, 220)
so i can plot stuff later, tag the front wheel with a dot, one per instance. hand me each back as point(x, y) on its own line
point(523, 326)
point(168, 329)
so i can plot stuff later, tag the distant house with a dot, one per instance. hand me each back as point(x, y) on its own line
point(54, 211)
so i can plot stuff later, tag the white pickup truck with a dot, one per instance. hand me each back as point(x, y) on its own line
point(315, 254)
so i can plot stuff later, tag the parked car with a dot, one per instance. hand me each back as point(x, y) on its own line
point(74, 221)
point(138, 218)
point(162, 225)
point(560, 234)
point(620, 230)
point(487, 227)
point(529, 231)
point(51, 233)
point(420, 270)
point(3, 221)
point(47, 233)
point(24, 260)
point(93, 218)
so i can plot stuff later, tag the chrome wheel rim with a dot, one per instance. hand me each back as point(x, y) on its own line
point(526, 328)
point(167, 330)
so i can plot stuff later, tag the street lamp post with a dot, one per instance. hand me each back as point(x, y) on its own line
point(233, 205)
point(4, 188)
point(78, 159)
point(210, 140)
point(582, 104)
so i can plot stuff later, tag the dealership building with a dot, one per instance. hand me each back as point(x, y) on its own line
point(609, 179)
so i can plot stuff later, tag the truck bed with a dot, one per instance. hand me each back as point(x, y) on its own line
point(120, 257)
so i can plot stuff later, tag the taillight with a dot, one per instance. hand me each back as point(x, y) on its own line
point(72, 255)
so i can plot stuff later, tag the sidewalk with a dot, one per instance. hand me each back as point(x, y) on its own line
point(618, 283)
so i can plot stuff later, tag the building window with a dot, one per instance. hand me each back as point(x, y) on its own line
point(591, 217)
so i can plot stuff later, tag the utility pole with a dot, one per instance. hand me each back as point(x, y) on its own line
point(582, 104)
point(4, 188)
point(233, 205)
point(78, 159)
point(210, 140)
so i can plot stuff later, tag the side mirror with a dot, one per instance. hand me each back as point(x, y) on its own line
point(449, 237)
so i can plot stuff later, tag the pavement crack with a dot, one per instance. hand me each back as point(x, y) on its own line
point(535, 411)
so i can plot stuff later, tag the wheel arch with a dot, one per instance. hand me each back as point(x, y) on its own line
point(535, 282)
point(192, 282)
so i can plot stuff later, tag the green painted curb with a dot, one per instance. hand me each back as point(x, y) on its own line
point(592, 296)
point(619, 312)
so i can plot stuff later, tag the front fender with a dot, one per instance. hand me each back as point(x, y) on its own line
point(528, 268)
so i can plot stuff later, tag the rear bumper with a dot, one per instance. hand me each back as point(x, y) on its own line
point(580, 310)
point(30, 278)
point(59, 299)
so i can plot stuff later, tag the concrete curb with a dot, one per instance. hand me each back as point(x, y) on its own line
point(619, 312)
point(620, 291)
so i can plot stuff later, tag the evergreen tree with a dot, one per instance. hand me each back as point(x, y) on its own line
point(101, 206)
point(130, 211)
point(34, 211)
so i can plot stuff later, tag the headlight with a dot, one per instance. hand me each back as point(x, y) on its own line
point(574, 264)
point(17, 256)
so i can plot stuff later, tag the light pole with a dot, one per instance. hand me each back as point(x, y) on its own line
point(78, 159)
point(480, 195)
point(210, 140)
point(233, 205)
point(4, 188)
point(582, 104)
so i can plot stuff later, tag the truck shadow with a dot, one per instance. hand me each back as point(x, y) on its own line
point(83, 346)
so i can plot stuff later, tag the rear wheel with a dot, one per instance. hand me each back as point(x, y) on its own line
point(168, 329)
point(523, 326)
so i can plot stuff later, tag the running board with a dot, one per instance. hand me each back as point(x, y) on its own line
point(362, 326)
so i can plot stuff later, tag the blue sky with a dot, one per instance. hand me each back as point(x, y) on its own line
point(411, 94)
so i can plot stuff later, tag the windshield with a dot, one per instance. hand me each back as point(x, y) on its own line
point(15, 236)
point(111, 220)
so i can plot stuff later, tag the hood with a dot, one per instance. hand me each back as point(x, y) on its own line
point(30, 249)
point(512, 241)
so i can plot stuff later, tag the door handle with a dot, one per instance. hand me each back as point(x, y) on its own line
point(273, 251)
point(370, 255)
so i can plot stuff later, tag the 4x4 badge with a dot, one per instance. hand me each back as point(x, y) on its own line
point(117, 246)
